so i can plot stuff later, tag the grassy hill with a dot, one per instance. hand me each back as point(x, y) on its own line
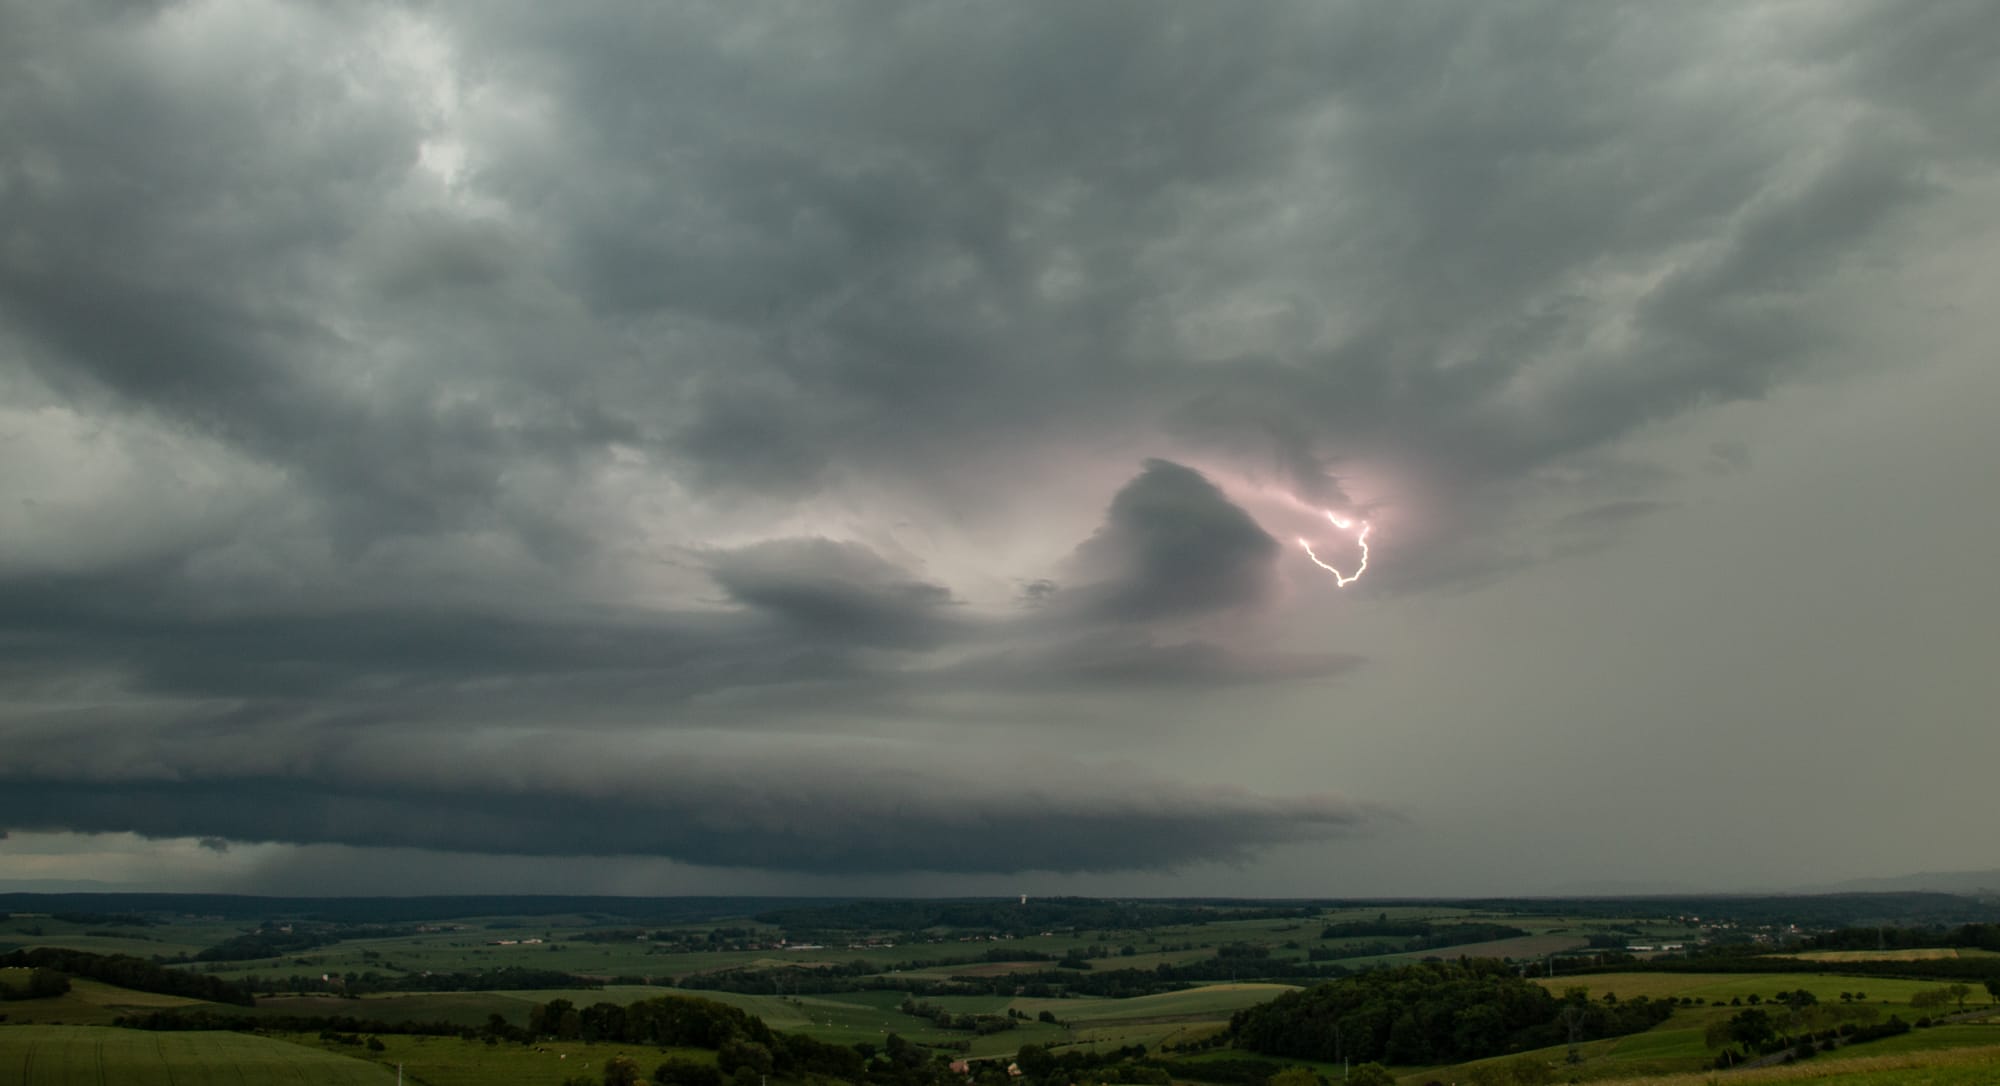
point(76, 1055)
point(88, 1003)
point(1966, 1067)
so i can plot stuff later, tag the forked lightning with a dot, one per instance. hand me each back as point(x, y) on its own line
point(1342, 579)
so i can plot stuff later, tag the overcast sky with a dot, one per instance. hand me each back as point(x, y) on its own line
point(873, 447)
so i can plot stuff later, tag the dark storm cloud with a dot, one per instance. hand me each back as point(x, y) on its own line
point(835, 590)
point(1100, 661)
point(794, 814)
point(477, 347)
point(1173, 545)
point(917, 228)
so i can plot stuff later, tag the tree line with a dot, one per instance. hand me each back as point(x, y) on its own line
point(1974, 936)
point(506, 978)
point(1012, 917)
point(126, 971)
point(1432, 1012)
point(1739, 959)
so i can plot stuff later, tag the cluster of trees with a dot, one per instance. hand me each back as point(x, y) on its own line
point(1165, 977)
point(1012, 917)
point(1409, 936)
point(666, 1021)
point(747, 1049)
point(126, 971)
point(1434, 1012)
point(853, 976)
point(1380, 927)
point(101, 920)
point(507, 978)
point(1044, 984)
point(43, 983)
point(1952, 993)
point(1776, 910)
point(942, 1017)
point(1977, 936)
point(1445, 935)
point(380, 910)
point(265, 942)
point(744, 1046)
point(1130, 1064)
point(173, 1021)
point(1751, 959)
point(1759, 1031)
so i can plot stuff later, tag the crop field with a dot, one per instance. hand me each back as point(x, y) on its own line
point(1217, 1001)
point(87, 1003)
point(1727, 986)
point(1670, 1052)
point(851, 1017)
point(1524, 946)
point(1148, 1020)
point(1965, 1067)
point(144, 941)
point(1952, 1036)
point(578, 945)
point(457, 1008)
point(449, 1061)
point(1260, 949)
point(93, 1056)
point(1908, 954)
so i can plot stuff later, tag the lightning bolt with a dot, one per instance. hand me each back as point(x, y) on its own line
point(1339, 578)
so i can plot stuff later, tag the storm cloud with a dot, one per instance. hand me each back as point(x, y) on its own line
point(641, 385)
point(1173, 544)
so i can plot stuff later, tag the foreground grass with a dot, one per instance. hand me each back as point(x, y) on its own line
point(1677, 1051)
point(96, 1056)
point(1961, 1067)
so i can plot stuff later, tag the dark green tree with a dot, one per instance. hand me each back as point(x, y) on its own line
point(685, 1072)
point(621, 1071)
point(1752, 1028)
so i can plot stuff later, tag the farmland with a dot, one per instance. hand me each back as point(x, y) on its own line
point(1078, 980)
point(1966, 1067)
point(89, 1056)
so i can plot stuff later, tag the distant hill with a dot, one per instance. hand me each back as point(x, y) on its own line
point(367, 909)
point(1982, 883)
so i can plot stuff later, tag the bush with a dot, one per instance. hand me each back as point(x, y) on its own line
point(680, 1072)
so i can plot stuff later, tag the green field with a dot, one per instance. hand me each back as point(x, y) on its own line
point(449, 1061)
point(1214, 1001)
point(93, 1056)
point(1966, 1067)
point(1727, 986)
point(1908, 954)
point(562, 946)
point(607, 945)
point(88, 1003)
point(1673, 1051)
